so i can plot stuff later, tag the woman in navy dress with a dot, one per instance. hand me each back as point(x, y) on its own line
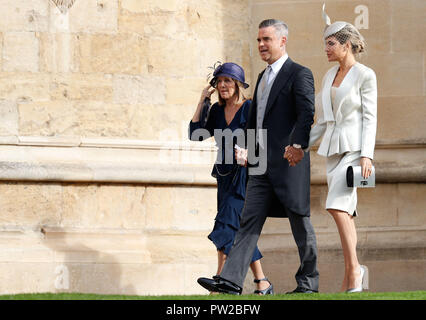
point(230, 112)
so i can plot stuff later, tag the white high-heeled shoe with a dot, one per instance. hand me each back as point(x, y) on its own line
point(363, 270)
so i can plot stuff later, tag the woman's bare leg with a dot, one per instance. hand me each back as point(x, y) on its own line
point(348, 237)
point(257, 270)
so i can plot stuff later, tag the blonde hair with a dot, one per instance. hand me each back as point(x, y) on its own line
point(238, 92)
point(351, 34)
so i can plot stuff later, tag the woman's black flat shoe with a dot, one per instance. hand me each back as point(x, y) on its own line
point(268, 290)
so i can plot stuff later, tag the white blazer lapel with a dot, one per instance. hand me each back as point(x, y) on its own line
point(326, 96)
point(345, 88)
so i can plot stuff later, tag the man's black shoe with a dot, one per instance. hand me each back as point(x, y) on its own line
point(220, 285)
point(302, 290)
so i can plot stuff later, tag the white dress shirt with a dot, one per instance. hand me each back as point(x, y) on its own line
point(276, 67)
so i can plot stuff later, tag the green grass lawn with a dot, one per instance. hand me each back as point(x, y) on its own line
point(410, 295)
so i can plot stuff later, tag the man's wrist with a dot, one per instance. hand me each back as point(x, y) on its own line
point(297, 146)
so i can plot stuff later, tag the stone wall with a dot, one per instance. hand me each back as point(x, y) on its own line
point(101, 192)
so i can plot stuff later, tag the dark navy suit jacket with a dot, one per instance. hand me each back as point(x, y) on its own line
point(289, 115)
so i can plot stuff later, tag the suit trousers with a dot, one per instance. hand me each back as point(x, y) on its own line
point(257, 204)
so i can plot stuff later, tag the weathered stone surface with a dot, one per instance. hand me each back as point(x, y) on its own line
point(391, 68)
point(88, 205)
point(116, 54)
point(9, 116)
point(94, 16)
point(58, 52)
point(24, 86)
point(20, 52)
point(405, 19)
point(184, 90)
point(162, 61)
point(30, 205)
point(91, 87)
point(48, 118)
point(407, 126)
point(139, 89)
point(162, 24)
point(135, 6)
point(22, 15)
point(183, 208)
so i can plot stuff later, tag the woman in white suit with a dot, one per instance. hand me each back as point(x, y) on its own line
point(347, 121)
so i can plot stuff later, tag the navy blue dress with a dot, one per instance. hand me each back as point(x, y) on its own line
point(231, 178)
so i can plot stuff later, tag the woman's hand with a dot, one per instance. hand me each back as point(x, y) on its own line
point(206, 93)
point(241, 156)
point(366, 167)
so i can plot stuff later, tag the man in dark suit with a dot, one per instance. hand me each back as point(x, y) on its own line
point(283, 110)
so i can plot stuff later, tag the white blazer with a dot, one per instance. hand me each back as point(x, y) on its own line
point(354, 128)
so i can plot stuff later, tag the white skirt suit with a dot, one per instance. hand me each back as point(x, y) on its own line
point(347, 121)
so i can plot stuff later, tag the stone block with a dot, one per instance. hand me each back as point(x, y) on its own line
point(411, 204)
point(58, 52)
point(162, 24)
point(24, 86)
point(87, 87)
point(94, 16)
point(9, 116)
point(139, 89)
point(48, 118)
point(101, 119)
point(209, 52)
point(397, 275)
point(400, 119)
point(203, 20)
point(30, 205)
point(180, 208)
point(135, 6)
point(233, 51)
point(117, 54)
point(166, 122)
point(88, 205)
point(377, 207)
point(161, 62)
point(406, 25)
point(20, 52)
point(184, 91)
point(1, 48)
point(22, 15)
point(391, 68)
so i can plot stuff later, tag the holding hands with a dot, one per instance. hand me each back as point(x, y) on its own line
point(293, 155)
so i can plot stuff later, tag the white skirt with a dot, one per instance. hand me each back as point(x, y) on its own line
point(340, 196)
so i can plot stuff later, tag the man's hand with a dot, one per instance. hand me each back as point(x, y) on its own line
point(241, 156)
point(293, 155)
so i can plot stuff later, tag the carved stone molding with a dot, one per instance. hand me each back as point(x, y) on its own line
point(63, 5)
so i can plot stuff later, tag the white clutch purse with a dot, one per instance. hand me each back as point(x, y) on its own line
point(355, 179)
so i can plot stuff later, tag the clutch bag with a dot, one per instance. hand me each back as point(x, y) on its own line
point(355, 179)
